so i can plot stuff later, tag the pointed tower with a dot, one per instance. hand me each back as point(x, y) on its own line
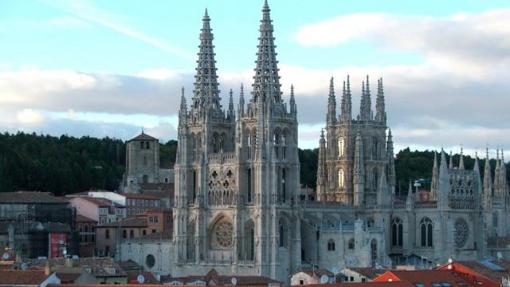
point(365, 103)
point(443, 184)
point(321, 169)
point(450, 165)
point(240, 107)
point(206, 99)
point(502, 177)
point(461, 161)
point(346, 106)
point(380, 108)
point(183, 110)
point(487, 183)
point(410, 197)
point(359, 172)
point(231, 114)
point(266, 83)
point(331, 116)
point(292, 102)
point(435, 179)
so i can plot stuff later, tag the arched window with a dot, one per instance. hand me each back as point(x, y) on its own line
point(341, 147)
point(426, 232)
point(249, 185)
point(124, 233)
point(341, 178)
point(131, 234)
point(331, 245)
point(282, 235)
point(107, 234)
point(249, 245)
point(375, 148)
point(373, 251)
point(397, 231)
point(190, 241)
point(351, 244)
point(284, 185)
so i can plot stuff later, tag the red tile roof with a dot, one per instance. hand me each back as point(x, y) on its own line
point(368, 272)
point(28, 277)
point(317, 272)
point(367, 284)
point(426, 277)
point(102, 202)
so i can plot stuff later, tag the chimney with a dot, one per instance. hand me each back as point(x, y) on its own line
point(47, 269)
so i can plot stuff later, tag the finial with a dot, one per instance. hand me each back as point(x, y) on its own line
point(367, 88)
point(206, 16)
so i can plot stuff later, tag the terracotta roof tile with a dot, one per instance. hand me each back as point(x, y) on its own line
point(143, 137)
point(28, 277)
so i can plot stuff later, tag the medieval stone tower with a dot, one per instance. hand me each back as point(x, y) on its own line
point(237, 176)
point(142, 162)
point(356, 162)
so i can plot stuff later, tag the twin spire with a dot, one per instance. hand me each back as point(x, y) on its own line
point(365, 103)
point(206, 101)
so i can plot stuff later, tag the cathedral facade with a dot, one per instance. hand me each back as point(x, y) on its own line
point(237, 207)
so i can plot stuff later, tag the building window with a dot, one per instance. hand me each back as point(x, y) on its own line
point(350, 245)
point(150, 261)
point(131, 234)
point(141, 145)
point(249, 183)
point(107, 234)
point(426, 232)
point(397, 231)
point(341, 178)
point(124, 234)
point(341, 147)
point(331, 245)
point(144, 232)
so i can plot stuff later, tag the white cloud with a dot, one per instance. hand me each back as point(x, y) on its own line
point(29, 116)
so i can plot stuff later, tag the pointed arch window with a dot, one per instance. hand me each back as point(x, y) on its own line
point(341, 178)
point(341, 147)
point(397, 232)
point(426, 232)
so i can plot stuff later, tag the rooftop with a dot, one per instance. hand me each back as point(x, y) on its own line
point(135, 221)
point(30, 197)
point(18, 277)
point(425, 278)
point(368, 272)
point(143, 137)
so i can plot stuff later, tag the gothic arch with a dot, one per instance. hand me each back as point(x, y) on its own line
point(426, 232)
point(283, 232)
point(190, 241)
point(397, 232)
point(221, 233)
point(249, 240)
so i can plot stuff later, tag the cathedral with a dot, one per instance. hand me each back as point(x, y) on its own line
point(237, 204)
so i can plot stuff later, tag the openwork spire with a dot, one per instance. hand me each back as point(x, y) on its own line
point(240, 108)
point(435, 178)
point(266, 81)
point(461, 160)
point(292, 101)
point(183, 110)
point(380, 108)
point(231, 113)
point(346, 105)
point(365, 103)
point(331, 117)
point(206, 94)
point(487, 182)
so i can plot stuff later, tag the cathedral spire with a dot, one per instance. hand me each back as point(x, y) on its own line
point(380, 115)
point(331, 116)
point(240, 107)
point(346, 106)
point(365, 103)
point(266, 81)
point(450, 166)
point(183, 110)
point(461, 161)
point(391, 160)
point(231, 113)
point(206, 94)
point(321, 168)
point(293, 107)
point(435, 178)
point(487, 182)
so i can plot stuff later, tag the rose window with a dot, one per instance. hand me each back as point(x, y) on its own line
point(461, 233)
point(223, 234)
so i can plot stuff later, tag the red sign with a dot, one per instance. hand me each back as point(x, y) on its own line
point(57, 245)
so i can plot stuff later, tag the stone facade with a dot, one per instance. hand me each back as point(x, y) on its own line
point(238, 207)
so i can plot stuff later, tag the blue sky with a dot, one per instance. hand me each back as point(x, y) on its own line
point(110, 67)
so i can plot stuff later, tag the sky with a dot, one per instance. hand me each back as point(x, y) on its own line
point(113, 68)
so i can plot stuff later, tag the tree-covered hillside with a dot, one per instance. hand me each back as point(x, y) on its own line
point(66, 164)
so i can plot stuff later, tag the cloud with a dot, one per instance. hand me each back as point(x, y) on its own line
point(86, 11)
